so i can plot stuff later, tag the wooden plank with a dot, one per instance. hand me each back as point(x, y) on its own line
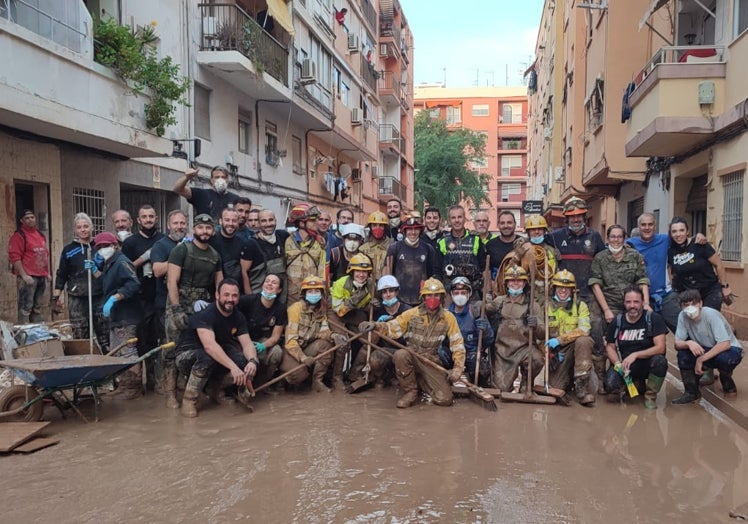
point(13, 434)
point(36, 444)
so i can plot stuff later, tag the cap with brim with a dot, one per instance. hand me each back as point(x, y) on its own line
point(106, 238)
point(203, 218)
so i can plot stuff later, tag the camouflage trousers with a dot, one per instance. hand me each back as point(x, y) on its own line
point(120, 334)
point(78, 313)
point(187, 298)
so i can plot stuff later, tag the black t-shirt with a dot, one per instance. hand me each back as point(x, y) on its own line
point(402, 307)
point(211, 201)
point(691, 267)
point(230, 250)
point(160, 253)
point(226, 329)
point(497, 249)
point(262, 320)
point(634, 337)
point(134, 246)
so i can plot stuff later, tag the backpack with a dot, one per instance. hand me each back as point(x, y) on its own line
point(647, 330)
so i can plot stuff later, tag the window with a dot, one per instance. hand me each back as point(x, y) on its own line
point(297, 158)
point(345, 92)
point(510, 189)
point(202, 112)
point(245, 132)
point(740, 16)
point(594, 106)
point(511, 114)
point(91, 202)
point(454, 115)
point(435, 112)
point(732, 217)
point(272, 158)
point(480, 110)
point(511, 143)
point(509, 165)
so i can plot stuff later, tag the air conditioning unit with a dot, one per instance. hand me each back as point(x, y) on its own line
point(356, 175)
point(353, 43)
point(357, 116)
point(547, 133)
point(308, 71)
point(384, 50)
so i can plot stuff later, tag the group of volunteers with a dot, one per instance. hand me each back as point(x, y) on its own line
point(399, 299)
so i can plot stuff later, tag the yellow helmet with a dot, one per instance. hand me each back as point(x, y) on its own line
point(312, 283)
point(377, 217)
point(515, 273)
point(432, 286)
point(359, 261)
point(564, 278)
point(535, 222)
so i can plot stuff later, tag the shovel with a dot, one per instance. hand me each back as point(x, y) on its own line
point(546, 389)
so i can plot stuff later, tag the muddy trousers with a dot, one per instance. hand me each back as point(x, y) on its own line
point(570, 361)
point(318, 369)
point(378, 362)
point(505, 368)
point(130, 382)
point(270, 360)
point(412, 374)
point(31, 300)
point(346, 355)
point(640, 370)
point(78, 312)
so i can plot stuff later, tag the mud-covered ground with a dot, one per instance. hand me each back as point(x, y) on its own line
point(322, 458)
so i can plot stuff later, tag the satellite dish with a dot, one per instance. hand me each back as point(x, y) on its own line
point(344, 170)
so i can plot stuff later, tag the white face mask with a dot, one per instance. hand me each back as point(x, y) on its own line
point(220, 185)
point(123, 235)
point(411, 243)
point(460, 300)
point(615, 250)
point(351, 245)
point(106, 252)
point(691, 311)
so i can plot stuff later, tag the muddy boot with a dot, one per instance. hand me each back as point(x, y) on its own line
point(653, 386)
point(318, 374)
point(410, 390)
point(728, 384)
point(245, 398)
point(170, 386)
point(194, 387)
point(582, 385)
point(216, 390)
point(337, 370)
point(131, 385)
point(707, 378)
point(691, 386)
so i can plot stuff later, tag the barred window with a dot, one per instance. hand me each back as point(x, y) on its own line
point(732, 216)
point(91, 202)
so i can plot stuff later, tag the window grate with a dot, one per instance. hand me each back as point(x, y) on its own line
point(732, 217)
point(91, 202)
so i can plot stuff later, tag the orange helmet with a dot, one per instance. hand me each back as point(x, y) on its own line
point(575, 206)
point(302, 211)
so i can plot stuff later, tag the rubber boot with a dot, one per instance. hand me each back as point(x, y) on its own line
point(318, 374)
point(195, 385)
point(410, 390)
point(582, 385)
point(131, 384)
point(216, 389)
point(599, 364)
point(728, 384)
point(245, 398)
point(653, 386)
point(707, 378)
point(691, 386)
point(170, 385)
point(337, 370)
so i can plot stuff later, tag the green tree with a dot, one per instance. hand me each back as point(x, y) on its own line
point(442, 158)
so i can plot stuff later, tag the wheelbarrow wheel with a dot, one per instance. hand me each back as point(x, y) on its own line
point(15, 397)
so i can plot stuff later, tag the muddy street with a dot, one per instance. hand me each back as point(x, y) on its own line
point(341, 458)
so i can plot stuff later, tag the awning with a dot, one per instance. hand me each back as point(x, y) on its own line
point(279, 11)
point(443, 103)
point(653, 6)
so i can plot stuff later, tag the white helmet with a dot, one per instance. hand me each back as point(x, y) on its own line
point(352, 229)
point(387, 282)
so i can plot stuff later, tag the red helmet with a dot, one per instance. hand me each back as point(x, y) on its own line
point(302, 211)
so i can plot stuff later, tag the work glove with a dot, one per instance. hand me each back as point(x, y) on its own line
point(108, 305)
point(179, 318)
point(90, 265)
point(375, 302)
point(199, 305)
point(454, 374)
point(482, 324)
point(553, 343)
point(383, 318)
point(259, 347)
point(366, 326)
point(339, 339)
point(308, 361)
point(145, 257)
point(532, 321)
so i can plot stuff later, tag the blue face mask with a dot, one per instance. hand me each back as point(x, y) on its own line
point(576, 229)
point(537, 240)
point(268, 296)
point(389, 301)
point(563, 300)
point(313, 299)
point(515, 292)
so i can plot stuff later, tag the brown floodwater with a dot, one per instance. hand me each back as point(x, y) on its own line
point(318, 458)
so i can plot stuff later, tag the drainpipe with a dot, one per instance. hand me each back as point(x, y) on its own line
point(306, 145)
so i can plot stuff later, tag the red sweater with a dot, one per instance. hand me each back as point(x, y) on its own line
point(32, 252)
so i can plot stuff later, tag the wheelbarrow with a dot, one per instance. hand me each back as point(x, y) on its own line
point(48, 377)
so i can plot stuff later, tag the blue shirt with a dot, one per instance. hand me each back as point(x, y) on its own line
point(469, 330)
point(655, 257)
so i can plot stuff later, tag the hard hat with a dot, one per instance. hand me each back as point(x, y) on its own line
point(359, 261)
point(535, 222)
point(461, 281)
point(387, 282)
point(515, 273)
point(575, 206)
point(564, 278)
point(302, 211)
point(312, 283)
point(106, 238)
point(377, 217)
point(432, 286)
point(351, 229)
point(412, 222)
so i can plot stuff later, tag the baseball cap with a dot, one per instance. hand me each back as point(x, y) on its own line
point(203, 218)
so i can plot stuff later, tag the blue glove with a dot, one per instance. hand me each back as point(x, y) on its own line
point(553, 343)
point(199, 305)
point(108, 305)
point(90, 265)
point(482, 324)
point(384, 318)
point(187, 239)
point(260, 347)
point(99, 260)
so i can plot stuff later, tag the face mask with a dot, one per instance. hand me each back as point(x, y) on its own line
point(313, 299)
point(394, 222)
point(460, 300)
point(432, 302)
point(615, 250)
point(177, 236)
point(561, 300)
point(432, 234)
point(106, 252)
point(411, 243)
point(148, 231)
point(123, 235)
point(220, 185)
point(351, 245)
point(691, 311)
point(358, 285)
point(576, 229)
point(537, 240)
point(268, 296)
point(515, 292)
point(377, 232)
point(389, 301)
point(270, 239)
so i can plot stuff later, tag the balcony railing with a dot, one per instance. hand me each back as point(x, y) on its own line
point(688, 54)
point(388, 81)
point(60, 23)
point(227, 27)
point(369, 74)
point(391, 29)
point(388, 133)
point(389, 185)
point(370, 14)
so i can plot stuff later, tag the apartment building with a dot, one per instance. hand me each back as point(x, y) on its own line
point(283, 94)
point(500, 113)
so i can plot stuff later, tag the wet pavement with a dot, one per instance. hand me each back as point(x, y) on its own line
point(318, 458)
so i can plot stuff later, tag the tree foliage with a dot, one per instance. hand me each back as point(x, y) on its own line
point(442, 157)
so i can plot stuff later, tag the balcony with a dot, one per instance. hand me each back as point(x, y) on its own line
point(390, 187)
point(241, 52)
point(369, 74)
point(667, 118)
point(512, 146)
point(51, 86)
point(370, 14)
point(389, 139)
point(389, 88)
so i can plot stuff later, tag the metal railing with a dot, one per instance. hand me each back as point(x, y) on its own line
point(389, 133)
point(48, 25)
point(370, 14)
point(390, 28)
point(227, 27)
point(684, 54)
point(388, 81)
point(389, 185)
point(369, 74)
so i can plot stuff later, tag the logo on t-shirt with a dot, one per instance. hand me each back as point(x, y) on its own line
point(683, 258)
point(631, 334)
point(233, 331)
